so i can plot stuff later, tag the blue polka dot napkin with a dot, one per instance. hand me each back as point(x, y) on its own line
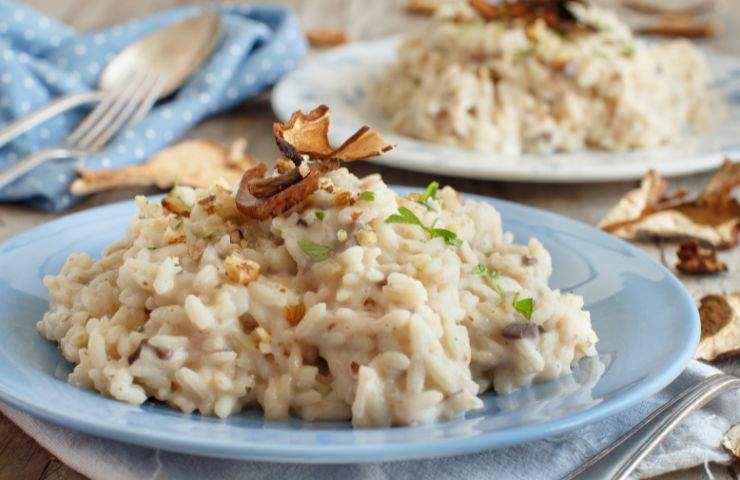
point(41, 59)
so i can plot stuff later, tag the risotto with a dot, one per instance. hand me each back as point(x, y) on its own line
point(530, 87)
point(357, 304)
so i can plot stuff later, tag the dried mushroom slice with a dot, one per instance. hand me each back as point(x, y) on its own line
point(731, 442)
point(697, 260)
point(712, 218)
point(304, 140)
point(555, 13)
point(197, 163)
point(720, 327)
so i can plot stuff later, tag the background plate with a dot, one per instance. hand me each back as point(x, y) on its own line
point(344, 78)
point(647, 324)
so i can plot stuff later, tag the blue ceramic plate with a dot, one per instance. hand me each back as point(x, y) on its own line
point(647, 325)
point(346, 77)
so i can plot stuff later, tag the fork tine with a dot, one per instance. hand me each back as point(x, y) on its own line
point(139, 106)
point(95, 115)
point(148, 102)
point(120, 104)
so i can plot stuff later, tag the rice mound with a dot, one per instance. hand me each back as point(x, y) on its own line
point(529, 89)
point(208, 311)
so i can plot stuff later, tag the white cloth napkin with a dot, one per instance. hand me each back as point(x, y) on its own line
point(695, 442)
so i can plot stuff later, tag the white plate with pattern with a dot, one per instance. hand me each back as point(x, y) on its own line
point(344, 78)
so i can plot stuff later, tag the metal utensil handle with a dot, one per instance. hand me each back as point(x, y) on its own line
point(21, 126)
point(617, 461)
point(34, 160)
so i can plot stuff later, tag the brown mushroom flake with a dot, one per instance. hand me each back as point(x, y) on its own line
point(713, 217)
point(555, 13)
point(197, 163)
point(697, 260)
point(731, 442)
point(720, 327)
point(521, 330)
point(304, 141)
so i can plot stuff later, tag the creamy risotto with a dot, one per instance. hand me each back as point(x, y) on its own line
point(531, 87)
point(356, 304)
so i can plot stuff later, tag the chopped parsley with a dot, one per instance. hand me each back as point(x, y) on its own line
point(628, 51)
point(524, 306)
point(367, 196)
point(315, 251)
point(492, 277)
point(407, 217)
point(429, 193)
point(319, 215)
point(152, 248)
point(525, 52)
point(211, 236)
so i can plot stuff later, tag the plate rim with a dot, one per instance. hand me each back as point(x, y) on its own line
point(335, 454)
point(512, 172)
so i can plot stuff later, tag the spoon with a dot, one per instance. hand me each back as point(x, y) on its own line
point(177, 50)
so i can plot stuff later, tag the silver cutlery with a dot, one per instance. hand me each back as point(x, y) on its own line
point(168, 56)
point(617, 461)
point(115, 110)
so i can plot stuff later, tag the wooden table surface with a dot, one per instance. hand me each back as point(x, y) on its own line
point(20, 456)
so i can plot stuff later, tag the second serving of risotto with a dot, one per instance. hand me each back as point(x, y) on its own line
point(542, 76)
point(315, 293)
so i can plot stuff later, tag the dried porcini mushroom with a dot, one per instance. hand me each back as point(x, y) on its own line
point(304, 141)
point(555, 13)
point(713, 217)
point(731, 442)
point(697, 260)
point(520, 330)
point(325, 37)
point(196, 163)
point(720, 327)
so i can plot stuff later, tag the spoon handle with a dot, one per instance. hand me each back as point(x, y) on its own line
point(22, 125)
point(617, 461)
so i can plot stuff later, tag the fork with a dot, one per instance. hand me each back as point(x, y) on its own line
point(617, 461)
point(120, 108)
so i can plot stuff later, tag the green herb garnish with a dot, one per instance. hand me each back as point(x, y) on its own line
point(212, 235)
point(628, 51)
point(319, 215)
point(316, 251)
point(367, 196)
point(152, 248)
point(407, 217)
point(525, 52)
point(178, 225)
point(492, 277)
point(430, 192)
point(524, 306)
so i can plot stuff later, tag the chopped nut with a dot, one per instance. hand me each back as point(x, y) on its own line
point(720, 327)
point(342, 235)
point(342, 198)
point(695, 260)
point(241, 270)
point(176, 205)
point(421, 7)
point(248, 322)
point(207, 204)
point(294, 313)
point(366, 238)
